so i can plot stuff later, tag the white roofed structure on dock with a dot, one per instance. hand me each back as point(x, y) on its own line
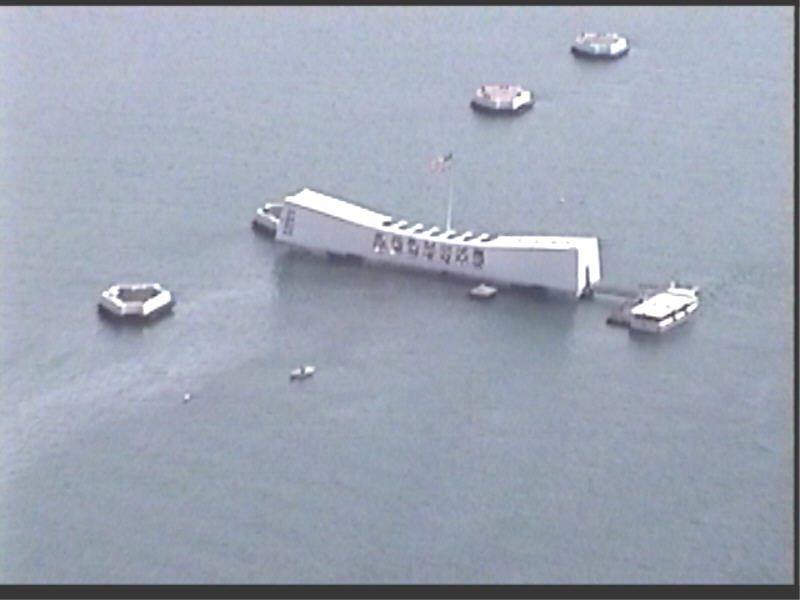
point(660, 305)
point(664, 310)
point(319, 222)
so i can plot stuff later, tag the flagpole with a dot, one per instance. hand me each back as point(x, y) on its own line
point(450, 200)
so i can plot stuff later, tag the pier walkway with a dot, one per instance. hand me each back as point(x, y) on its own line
point(613, 290)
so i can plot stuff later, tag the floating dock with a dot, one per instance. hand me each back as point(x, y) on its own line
point(621, 315)
point(652, 310)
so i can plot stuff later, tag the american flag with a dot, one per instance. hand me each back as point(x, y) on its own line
point(440, 163)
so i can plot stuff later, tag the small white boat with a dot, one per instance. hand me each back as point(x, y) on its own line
point(483, 291)
point(302, 372)
point(501, 98)
point(600, 45)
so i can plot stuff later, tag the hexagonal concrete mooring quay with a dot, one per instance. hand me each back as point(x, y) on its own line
point(135, 301)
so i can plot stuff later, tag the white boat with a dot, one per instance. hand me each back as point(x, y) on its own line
point(600, 45)
point(302, 372)
point(323, 224)
point(664, 310)
point(483, 291)
point(136, 300)
point(501, 98)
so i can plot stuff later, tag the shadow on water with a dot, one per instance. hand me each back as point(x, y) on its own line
point(506, 117)
point(501, 115)
point(654, 341)
point(131, 325)
point(536, 311)
point(296, 265)
point(589, 61)
point(301, 274)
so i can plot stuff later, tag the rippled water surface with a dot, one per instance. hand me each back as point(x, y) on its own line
point(441, 440)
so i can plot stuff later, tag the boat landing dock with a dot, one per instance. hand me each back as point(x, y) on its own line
point(650, 308)
point(621, 315)
point(613, 290)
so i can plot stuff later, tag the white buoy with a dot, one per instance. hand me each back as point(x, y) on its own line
point(187, 396)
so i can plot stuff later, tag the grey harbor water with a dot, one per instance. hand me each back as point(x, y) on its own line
point(441, 440)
